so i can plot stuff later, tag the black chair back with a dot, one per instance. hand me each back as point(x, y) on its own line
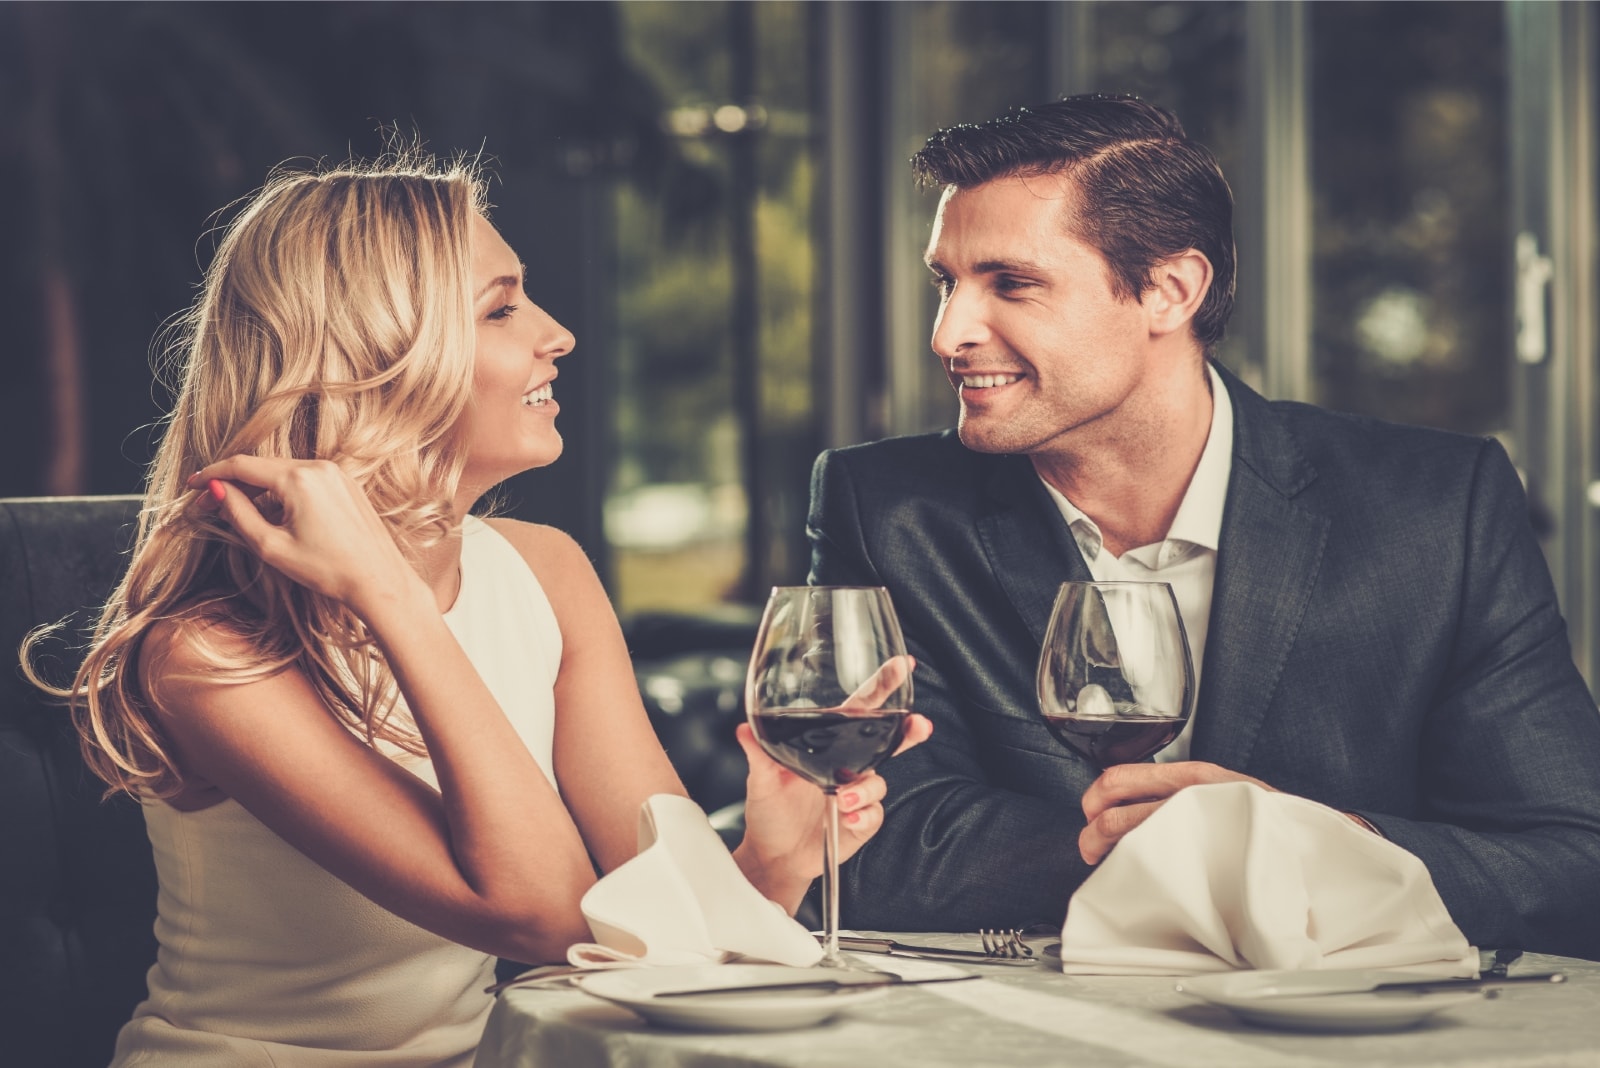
point(77, 882)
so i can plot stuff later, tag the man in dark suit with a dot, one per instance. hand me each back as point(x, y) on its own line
point(1372, 619)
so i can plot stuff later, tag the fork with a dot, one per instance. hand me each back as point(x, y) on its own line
point(860, 944)
point(1005, 942)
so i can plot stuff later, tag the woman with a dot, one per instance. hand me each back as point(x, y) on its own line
point(346, 704)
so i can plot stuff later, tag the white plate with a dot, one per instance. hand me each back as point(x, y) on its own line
point(1249, 995)
point(635, 988)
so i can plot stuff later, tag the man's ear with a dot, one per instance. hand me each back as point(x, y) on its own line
point(1177, 287)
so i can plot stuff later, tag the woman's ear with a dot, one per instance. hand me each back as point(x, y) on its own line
point(1178, 285)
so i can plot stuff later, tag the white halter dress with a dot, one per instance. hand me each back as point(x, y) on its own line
point(266, 959)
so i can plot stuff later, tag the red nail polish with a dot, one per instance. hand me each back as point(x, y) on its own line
point(218, 490)
point(849, 799)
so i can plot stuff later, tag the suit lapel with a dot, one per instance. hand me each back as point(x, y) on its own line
point(1271, 551)
point(1028, 544)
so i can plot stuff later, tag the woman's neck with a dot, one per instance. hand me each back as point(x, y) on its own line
point(440, 568)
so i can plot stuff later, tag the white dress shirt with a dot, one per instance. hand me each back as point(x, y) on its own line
point(1187, 557)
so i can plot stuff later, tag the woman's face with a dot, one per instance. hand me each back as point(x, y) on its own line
point(511, 423)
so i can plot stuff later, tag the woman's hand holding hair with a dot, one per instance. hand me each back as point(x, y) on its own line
point(782, 849)
point(323, 533)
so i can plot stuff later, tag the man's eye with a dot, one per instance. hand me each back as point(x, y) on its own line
point(942, 285)
point(502, 312)
point(1007, 284)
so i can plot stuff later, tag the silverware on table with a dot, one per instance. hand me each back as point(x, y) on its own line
point(1398, 987)
point(1489, 984)
point(829, 986)
point(1004, 943)
point(889, 947)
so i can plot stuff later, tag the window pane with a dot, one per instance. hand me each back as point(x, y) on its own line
point(1409, 183)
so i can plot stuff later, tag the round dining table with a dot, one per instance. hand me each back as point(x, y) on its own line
point(1038, 1016)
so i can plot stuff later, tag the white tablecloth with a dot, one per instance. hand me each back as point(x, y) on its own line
point(1039, 1017)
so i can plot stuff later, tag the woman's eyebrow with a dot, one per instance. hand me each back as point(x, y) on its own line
point(505, 280)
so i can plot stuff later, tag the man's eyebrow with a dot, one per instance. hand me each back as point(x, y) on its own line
point(1006, 267)
point(991, 267)
point(503, 280)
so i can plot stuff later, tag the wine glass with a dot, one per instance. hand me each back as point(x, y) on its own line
point(1116, 681)
point(827, 695)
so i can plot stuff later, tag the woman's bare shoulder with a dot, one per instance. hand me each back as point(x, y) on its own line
point(192, 665)
point(563, 569)
point(191, 646)
point(194, 652)
point(555, 557)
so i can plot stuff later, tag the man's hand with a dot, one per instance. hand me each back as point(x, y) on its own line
point(1125, 795)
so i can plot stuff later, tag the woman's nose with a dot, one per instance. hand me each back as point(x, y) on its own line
point(555, 340)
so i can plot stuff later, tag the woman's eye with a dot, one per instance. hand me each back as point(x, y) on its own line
point(502, 312)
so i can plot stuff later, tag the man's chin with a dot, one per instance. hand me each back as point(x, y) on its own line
point(980, 438)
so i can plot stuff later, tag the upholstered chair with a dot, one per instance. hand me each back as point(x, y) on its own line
point(77, 884)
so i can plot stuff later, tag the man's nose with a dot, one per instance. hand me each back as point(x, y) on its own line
point(960, 325)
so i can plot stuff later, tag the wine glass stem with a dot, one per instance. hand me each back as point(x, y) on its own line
point(830, 880)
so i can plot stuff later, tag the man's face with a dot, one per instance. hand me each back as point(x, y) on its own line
point(1031, 336)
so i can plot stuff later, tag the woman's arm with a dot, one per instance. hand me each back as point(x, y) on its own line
point(608, 759)
point(491, 859)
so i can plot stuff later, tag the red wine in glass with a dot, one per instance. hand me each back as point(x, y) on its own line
point(834, 747)
point(1127, 739)
point(1116, 681)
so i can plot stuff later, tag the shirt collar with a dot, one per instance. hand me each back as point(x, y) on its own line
point(1199, 518)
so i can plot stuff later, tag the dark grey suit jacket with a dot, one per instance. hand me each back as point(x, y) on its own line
point(1384, 639)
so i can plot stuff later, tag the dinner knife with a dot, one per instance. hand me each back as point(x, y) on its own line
point(832, 986)
point(1485, 983)
point(1369, 985)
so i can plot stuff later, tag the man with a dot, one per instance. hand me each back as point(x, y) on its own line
point(1371, 618)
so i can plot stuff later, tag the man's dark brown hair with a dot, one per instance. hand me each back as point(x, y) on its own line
point(1146, 192)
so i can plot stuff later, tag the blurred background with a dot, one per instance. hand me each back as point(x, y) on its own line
point(714, 197)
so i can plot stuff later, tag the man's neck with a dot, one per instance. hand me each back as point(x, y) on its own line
point(1130, 474)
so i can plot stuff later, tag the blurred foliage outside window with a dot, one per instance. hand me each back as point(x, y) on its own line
point(679, 506)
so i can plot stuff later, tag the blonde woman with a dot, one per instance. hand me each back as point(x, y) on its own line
point(378, 741)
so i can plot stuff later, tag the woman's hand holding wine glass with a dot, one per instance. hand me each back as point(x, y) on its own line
point(828, 698)
point(782, 849)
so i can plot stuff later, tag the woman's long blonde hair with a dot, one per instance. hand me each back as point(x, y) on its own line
point(335, 323)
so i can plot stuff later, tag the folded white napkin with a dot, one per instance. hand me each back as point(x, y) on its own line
point(683, 900)
point(1233, 876)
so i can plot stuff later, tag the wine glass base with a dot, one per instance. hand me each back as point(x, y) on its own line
point(841, 961)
